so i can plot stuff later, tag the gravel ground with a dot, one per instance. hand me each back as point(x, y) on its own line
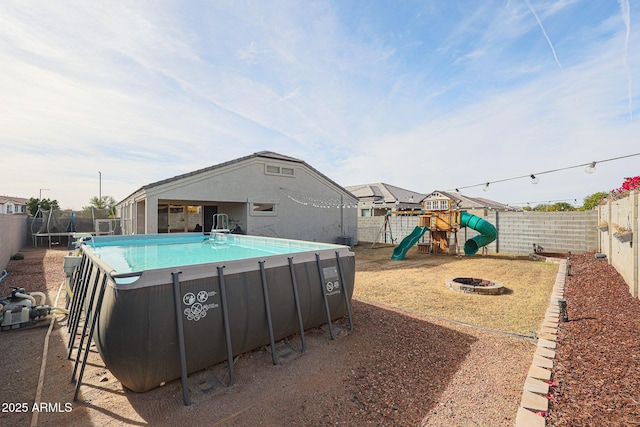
point(396, 368)
point(597, 371)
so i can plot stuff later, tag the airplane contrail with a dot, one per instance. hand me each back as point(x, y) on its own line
point(625, 11)
point(545, 34)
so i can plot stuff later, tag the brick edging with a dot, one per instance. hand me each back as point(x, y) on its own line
point(534, 400)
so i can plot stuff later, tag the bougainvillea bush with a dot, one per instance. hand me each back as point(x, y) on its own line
point(627, 185)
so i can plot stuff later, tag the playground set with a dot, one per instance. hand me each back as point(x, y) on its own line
point(443, 220)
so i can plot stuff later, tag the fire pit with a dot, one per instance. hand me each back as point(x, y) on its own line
point(474, 285)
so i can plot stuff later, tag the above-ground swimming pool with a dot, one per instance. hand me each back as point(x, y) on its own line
point(176, 304)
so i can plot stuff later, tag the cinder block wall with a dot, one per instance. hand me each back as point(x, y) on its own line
point(372, 228)
point(517, 231)
point(552, 231)
point(13, 237)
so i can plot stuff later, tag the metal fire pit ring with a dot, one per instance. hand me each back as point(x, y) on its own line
point(474, 285)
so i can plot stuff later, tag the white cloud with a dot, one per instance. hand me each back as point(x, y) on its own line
point(454, 95)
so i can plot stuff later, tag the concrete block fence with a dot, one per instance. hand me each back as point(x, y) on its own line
point(517, 231)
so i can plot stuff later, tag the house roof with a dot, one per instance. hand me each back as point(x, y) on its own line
point(385, 193)
point(465, 202)
point(497, 205)
point(14, 200)
point(261, 154)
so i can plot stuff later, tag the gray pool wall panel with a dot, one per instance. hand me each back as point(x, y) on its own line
point(137, 336)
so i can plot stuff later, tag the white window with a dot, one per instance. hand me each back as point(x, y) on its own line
point(273, 169)
point(437, 205)
point(263, 208)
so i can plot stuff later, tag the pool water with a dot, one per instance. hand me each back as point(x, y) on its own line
point(126, 255)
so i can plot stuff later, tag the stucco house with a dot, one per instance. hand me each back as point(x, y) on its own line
point(13, 205)
point(264, 194)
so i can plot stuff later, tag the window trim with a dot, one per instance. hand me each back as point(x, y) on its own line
point(278, 170)
point(253, 202)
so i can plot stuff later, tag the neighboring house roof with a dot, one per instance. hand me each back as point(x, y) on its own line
point(14, 200)
point(385, 193)
point(497, 205)
point(380, 193)
point(262, 154)
point(465, 202)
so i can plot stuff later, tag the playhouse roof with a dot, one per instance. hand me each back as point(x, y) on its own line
point(465, 202)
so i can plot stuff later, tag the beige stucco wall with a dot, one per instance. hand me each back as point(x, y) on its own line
point(13, 237)
point(623, 256)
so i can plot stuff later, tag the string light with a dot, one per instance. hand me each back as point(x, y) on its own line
point(589, 168)
point(309, 200)
point(575, 201)
point(534, 179)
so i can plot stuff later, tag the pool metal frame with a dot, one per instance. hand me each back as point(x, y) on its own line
point(88, 313)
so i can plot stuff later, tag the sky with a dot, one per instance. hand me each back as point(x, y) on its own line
point(104, 97)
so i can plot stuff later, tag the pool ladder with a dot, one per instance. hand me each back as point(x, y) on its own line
point(95, 293)
point(81, 275)
point(220, 224)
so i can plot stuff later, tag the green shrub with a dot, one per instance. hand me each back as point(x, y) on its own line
point(18, 256)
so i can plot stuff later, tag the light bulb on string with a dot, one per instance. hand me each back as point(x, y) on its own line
point(534, 179)
point(591, 168)
point(485, 187)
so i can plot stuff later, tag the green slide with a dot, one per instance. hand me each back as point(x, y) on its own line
point(488, 232)
point(401, 250)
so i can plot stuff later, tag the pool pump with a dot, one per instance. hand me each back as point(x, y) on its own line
point(21, 310)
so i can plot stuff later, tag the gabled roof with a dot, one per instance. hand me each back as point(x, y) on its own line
point(385, 193)
point(14, 200)
point(262, 154)
point(491, 204)
point(265, 154)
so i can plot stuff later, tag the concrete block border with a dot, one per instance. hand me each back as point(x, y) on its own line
point(534, 403)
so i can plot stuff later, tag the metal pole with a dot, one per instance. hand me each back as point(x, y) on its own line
point(562, 305)
point(99, 189)
point(267, 309)
point(181, 340)
point(344, 291)
point(225, 321)
point(40, 196)
point(297, 301)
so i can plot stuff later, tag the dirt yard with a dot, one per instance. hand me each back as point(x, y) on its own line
point(404, 363)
